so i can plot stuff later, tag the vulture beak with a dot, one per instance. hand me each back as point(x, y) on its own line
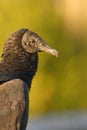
point(43, 47)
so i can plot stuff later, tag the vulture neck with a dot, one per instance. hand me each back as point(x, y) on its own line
point(20, 64)
point(17, 63)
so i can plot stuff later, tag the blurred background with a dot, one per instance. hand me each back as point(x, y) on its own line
point(60, 85)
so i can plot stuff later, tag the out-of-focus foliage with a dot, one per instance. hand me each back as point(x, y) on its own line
point(61, 83)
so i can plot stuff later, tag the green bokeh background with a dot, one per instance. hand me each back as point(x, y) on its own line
point(60, 83)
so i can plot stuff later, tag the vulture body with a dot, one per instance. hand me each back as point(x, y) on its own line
point(17, 68)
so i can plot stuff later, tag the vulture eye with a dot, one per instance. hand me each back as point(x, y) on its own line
point(33, 42)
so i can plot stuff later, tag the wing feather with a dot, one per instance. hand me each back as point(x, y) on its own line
point(13, 105)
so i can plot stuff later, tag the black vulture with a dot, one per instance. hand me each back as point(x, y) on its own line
point(17, 68)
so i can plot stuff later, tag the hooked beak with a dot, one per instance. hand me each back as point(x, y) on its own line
point(43, 47)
